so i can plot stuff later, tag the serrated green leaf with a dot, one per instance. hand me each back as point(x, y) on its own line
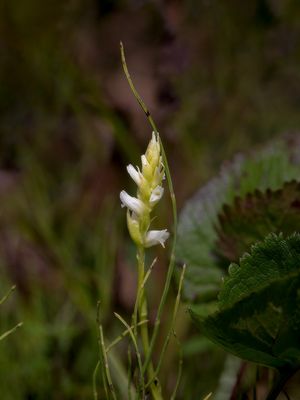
point(258, 313)
point(198, 222)
point(254, 216)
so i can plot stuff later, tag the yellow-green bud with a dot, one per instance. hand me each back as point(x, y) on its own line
point(149, 192)
point(134, 228)
point(153, 151)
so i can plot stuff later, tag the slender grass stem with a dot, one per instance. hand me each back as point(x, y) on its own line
point(123, 334)
point(5, 334)
point(107, 381)
point(95, 392)
point(138, 355)
point(107, 396)
point(106, 366)
point(4, 298)
point(142, 303)
point(129, 375)
point(101, 359)
point(140, 287)
point(148, 273)
point(171, 329)
point(180, 362)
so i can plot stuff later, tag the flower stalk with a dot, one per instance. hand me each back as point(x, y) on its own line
point(143, 314)
point(149, 192)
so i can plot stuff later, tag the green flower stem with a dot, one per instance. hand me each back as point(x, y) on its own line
point(149, 348)
point(141, 383)
point(172, 257)
point(174, 210)
point(278, 386)
point(140, 287)
point(143, 315)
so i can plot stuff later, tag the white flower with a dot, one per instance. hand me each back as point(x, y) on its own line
point(149, 192)
point(135, 174)
point(156, 237)
point(156, 195)
point(132, 203)
point(144, 160)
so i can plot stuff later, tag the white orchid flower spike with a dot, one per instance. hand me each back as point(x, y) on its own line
point(149, 192)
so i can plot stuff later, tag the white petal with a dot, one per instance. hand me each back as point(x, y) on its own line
point(156, 237)
point(135, 174)
point(156, 195)
point(144, 160)
point(132, 203)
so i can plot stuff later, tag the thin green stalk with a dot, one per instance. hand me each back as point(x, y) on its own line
point(180, 362)
point(174, 210)
point(140, 290)
point(135, 313)
point(171, 329)
point(142, 304)
point(123, 334)
point(138, 355)
point(137, 301)
point(5, 334)
point(175, 311)
point(148, 273)
point(101, 357)
point(106, 366)
point(95, 392)
point(143, 314)
point(171, 263)
point(116, 370)
point(4, 298)
point(107, 381)
point(129, 375)
point(104, 377)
